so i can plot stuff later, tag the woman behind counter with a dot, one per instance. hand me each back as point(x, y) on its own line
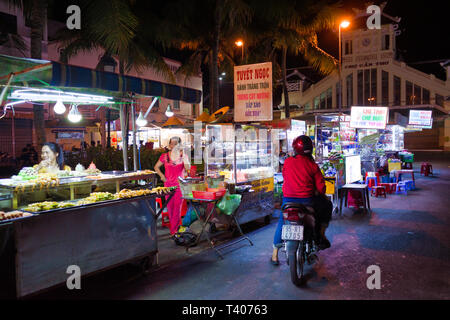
point(176, 165)
point(52, 159)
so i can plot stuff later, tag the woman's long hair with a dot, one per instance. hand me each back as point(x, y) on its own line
point(57, 150)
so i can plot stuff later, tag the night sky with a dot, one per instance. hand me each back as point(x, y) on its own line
point(424, 31)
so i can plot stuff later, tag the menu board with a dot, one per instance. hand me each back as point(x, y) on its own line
point(352, 169)
point(369, 117)
point(421, 118)
point(253, 92)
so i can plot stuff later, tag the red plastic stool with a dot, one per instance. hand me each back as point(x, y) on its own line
point(378, 191)
point(165, 221)
point(387, 186)
point(377, 175)
point(354, 199)
point(426, 169)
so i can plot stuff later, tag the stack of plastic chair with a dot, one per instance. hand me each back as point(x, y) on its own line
point(354, 199)
point(426, 169)
point(165, 221)
point(410, 185)
point(401, 188)
point(371, 182)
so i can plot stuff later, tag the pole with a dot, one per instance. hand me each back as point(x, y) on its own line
point(340, 86)
point(13, 128)
point(108, 119)
point(124, 137)
point(133, 124)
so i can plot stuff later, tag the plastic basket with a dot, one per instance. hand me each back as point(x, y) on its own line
point(209, 195)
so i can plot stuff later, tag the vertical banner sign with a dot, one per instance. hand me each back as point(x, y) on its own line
point(369, 117)
point(253, 92)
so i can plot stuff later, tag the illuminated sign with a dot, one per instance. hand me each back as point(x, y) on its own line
point(253, 92)
point(369, 117)
point(421, 118)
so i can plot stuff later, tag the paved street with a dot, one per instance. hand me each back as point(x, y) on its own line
point(406, 236)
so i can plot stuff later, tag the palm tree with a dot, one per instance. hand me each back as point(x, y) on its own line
point(204, 28)
point(292, 26)
point(36, 10)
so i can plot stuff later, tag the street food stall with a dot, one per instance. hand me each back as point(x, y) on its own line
point(86, 218)
point(243, 157)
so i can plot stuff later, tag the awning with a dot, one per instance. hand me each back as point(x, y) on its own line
point(38, 73)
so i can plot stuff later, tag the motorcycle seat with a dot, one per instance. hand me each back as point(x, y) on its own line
point(295, 205)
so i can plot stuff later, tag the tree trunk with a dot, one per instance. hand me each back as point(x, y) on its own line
point(38, 18)
point(215, 63)
point(211, 84)
point(285, 89)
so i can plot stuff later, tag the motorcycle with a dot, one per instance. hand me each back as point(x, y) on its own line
point(299, 233)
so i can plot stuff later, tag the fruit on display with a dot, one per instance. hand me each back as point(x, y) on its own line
point(13, 215)
point(127, 193)
point(92, 169)
point(162, 190)
point(138, 173)
point(43, 180)
point(42, 206)
point(27, 173)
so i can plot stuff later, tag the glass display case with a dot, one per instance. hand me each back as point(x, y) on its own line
point(392, 139)
point(241, 153)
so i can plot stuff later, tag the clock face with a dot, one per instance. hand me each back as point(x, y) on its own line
point(366, 42)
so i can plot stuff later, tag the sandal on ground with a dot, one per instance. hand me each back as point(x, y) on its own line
point(275, 263)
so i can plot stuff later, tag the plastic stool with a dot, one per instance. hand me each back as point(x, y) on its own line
point(378, 191)
point(371, 181)
point(409, 184)
point(426, 169)
point(387, 186)
point(401, 188)
point(165, 221)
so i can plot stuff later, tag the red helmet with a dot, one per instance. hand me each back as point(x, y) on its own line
point(302, 145)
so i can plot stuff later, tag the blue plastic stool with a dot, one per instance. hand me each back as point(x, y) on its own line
point(371, 178)
point(401, 185)
point(410, 185)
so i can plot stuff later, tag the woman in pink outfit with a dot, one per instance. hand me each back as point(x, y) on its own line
point(176, 165)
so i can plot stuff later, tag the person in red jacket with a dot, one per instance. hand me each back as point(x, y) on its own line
point(303, 181)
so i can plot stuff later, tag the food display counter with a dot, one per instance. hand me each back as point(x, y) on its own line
point(245, 156)
point(76, 222)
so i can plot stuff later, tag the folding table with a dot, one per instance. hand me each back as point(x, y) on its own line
point(211, 204)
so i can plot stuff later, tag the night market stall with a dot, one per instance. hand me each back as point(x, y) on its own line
point(50, 221)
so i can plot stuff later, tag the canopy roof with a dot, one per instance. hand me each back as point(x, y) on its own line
point(38, 73)
point(173, 122)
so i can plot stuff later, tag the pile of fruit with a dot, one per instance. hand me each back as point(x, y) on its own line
point(127, 193)
point(138, 173)
point(13, 215)
point(28, 173)
point(162, 190)
point(92, 169)
point(96, 197)
point(42, 206)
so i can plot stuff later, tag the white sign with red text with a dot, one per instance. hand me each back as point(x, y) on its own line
point(253, 92)
point(369, 117)
point(420, 118)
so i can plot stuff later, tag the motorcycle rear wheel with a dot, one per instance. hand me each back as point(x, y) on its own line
point(296, 263)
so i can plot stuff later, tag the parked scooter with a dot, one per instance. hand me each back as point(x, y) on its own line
point(299, 233)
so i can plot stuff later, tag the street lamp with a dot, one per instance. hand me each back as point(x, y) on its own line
point(240, 43)
point(344, 24)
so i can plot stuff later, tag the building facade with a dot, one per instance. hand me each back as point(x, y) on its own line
point(371, 75)
point(15, 32)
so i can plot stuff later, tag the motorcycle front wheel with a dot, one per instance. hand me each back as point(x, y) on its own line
point(296, 263)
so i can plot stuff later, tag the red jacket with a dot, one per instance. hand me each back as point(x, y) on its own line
point(302, 176)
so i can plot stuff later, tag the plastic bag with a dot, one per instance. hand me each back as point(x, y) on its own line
point(189, 217)
point(229, 203)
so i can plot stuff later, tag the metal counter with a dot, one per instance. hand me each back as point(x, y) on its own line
point(93, 237)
